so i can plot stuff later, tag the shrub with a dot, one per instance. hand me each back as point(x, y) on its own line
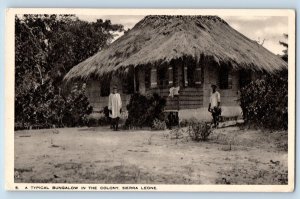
point(142, 110)
point(187, 122)
point(91, 122)
point(104, 119)
point(177, 133)
point(172, 119)
point(264, 101)
point(199, 131)
point(76, 107)
point(159, 125)
point(106, 111)
point(44, 107)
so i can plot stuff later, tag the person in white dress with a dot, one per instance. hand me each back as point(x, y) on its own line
point(115, 107)
point(214, 105)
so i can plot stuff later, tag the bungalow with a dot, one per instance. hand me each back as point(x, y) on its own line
point(164, 52)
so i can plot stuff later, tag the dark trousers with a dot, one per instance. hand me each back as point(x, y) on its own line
point(115, 123)
point(216, 112)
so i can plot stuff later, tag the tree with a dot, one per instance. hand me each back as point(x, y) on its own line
point(286, 45)
point(75, 41)
point(265, 101)
point(47, 47)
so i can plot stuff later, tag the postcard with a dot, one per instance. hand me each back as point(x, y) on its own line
point(186, 100)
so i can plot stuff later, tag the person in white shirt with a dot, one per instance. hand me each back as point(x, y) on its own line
point(214, 105)
point(115, 107)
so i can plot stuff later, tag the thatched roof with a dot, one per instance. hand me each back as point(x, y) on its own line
point(157, 39)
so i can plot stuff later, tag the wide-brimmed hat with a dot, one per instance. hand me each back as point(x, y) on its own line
point(115, 87)
point(214, 86)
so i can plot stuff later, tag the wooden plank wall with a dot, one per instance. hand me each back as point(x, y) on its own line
point(230, 96)
point(189, 98)
point(98, 102)
point(93, 94)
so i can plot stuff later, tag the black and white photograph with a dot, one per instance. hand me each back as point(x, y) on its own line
point(150, 100)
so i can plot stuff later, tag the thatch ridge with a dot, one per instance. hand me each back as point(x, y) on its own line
point(163, 38)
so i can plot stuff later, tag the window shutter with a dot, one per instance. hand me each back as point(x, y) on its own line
point(229, 80)
point(171, 76)
point(147, 78)
point(198, 76)
point(185, 79)
point(225, 78)
point(175, 76)
point(105, 87)
point(153, 77)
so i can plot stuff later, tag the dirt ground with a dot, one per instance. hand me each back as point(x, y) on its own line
point(99, 155)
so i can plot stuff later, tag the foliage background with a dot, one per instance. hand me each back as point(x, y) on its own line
point(265, 101)
point(47, 47)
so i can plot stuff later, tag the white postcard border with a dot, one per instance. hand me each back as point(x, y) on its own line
point(9, 101)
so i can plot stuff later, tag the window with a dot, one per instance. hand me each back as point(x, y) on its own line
point(191, 76)
point(148, 78)
point(224, 78)
point(151, 78)
point(104, 88)
point(175, 76)
point(163, 78)
point(128, 83)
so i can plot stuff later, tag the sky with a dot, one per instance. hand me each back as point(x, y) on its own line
point(269, 29)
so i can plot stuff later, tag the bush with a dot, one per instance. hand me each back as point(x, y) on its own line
point(187, 122)
point(177, 133)
point(104, 119)
point(76, 107)
point(91, 122)
point(265, 101)
point(199, 131)
point(106, 111)
point(159, 125)
point(172, 119)
point(45, 107)
point(100, 118)
point(142, 110)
